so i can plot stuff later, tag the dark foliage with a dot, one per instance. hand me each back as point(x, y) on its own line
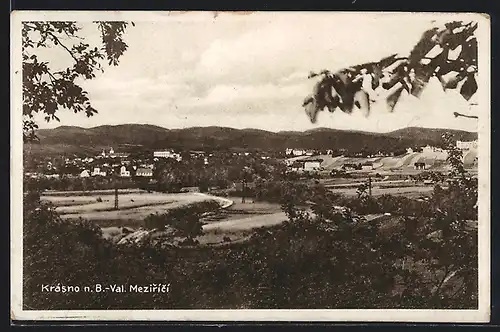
point(185, 219)
point(353, 87)
point(45, 89)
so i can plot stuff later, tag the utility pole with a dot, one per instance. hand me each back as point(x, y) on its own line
point(116, 189)
point(244, 185)
point(243, 190)
point(370, 186)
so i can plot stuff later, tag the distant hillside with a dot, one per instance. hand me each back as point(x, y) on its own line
point(431, 134)
point(67, 139)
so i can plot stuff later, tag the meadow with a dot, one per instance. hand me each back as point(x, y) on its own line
point(133, 206)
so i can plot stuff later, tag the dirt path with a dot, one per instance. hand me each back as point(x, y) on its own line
point(247, 223)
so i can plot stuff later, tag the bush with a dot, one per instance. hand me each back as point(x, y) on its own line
point(185, 219)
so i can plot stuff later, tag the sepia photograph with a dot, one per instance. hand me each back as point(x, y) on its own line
point(250, 166)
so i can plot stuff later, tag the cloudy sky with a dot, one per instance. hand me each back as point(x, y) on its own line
point(250, 71)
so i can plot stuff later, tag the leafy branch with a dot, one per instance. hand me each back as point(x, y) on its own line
point(46, 91)
point(358, 86)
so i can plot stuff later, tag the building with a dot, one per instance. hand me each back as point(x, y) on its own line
point(462, 145)
point(312, 164)
point(124, 172)
point(419, 165)
point(295, 152)
point(167, 154)
point(163, 154)
point(195, 154)
point(296, 166)
point(351, 167)
point(84, 174)
point(113, 154)
point(32, 175)
point(305, 165)
point(367, 166)
point(122, 155)
point(97, 172)
point(145, 172)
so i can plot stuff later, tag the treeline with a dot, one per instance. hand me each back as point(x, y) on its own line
point(219, 173)
point(85, 184)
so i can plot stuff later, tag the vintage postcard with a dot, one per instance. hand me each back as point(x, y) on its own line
point(250, 166)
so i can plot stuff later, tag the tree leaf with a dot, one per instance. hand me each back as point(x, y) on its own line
point(387, 61)
point(422, 76)
point(452, 83)
point(425, 44)
point(362, 101)
point(469, 87)
point(393, 98)
point(307, 100)
point(469, 52)
point(311, 109)
point(376, 76)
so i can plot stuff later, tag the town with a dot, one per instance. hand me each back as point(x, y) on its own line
point(110, 163)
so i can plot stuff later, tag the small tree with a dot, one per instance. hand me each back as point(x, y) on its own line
point(361, 190)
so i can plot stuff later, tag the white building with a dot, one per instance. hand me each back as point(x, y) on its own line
point(163, 154)
point(167, 154)
point(295, 152)
point(312, 165)
point(146, 172)
point(84, 174)
point(367, 167)
point(124, 172)
point(97, 172)
point(462, 145)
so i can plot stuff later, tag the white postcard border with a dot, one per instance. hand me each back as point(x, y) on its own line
point(375, 315)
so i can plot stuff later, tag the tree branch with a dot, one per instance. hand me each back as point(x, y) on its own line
point(52, 78)
point(456, 114)
point(58, 41)
point(438, 288)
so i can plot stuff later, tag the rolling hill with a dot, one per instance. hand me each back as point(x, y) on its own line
point(129, 137)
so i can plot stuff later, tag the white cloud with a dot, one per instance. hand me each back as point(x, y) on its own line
point(230, 94)
point(251, 71)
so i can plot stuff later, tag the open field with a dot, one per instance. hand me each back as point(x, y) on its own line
point(91, 193)
point(239, 210)
point(234, 222)
point(247, 223)
point(411, 191)
point(133, 207)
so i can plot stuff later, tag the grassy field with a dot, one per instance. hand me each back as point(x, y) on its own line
point(410, 191)
point(239, 210)
point(134, 206)
point(234, 223)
